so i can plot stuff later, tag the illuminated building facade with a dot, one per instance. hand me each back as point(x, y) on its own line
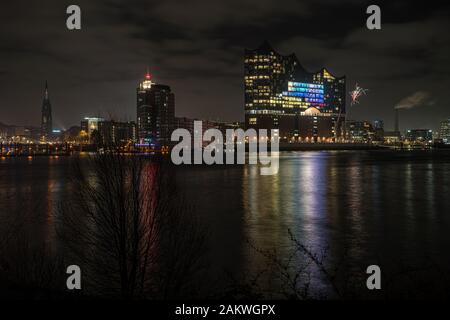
point(90, 124)
point(117, 133)
point(278, 92)
point(419, 136)
point(360, 131)
point(392, 137)
point(155, 113)
point(46, 116)
point(89, 129)
point(444, 131)
point(108, 132)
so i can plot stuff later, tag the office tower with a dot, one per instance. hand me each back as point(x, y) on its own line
point(155, 113)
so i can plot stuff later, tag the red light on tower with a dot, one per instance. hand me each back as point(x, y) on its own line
point(147, 82)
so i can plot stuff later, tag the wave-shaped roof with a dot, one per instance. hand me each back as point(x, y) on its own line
point(266, 48)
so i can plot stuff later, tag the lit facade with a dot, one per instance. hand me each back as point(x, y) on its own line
point(90, 124)
point(392, 137)
point(155, 113)
point(419, 136)
point(360, 131)
point(108, 132)
point(444, 131)
point(117, 133)
point(301, 96)
point(278, 90)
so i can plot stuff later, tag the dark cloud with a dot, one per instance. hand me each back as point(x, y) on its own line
point(197, 47)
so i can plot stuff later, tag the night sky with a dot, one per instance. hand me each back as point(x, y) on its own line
point(197, 48)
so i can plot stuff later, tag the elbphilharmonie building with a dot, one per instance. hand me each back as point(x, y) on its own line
point(281, 94)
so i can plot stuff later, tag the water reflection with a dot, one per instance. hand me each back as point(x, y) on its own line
point(372, 206)
point(430, 189)
point(356, 191)
point(378, 206)
point(409, 189)
point(295, 199)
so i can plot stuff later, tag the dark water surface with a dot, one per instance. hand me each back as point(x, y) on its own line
point(390, 208)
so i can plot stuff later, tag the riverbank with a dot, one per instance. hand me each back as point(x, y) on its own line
point(285, 146)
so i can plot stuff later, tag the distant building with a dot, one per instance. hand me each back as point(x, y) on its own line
point(312, 126)
point(392, 137)
point(279, 91)
point(72, 134)
point(108, 132)
point(22, 132)
point(3, 134)
point(378, 125)
point(419, 136)
point(46, 116)
point(57, 135)
point(155, 113)
point(89, 125)
point(117, 133)
point(444, 131)
point(360, 131)
point(188, 124)
point(35, 133)
point(378, 128)
point(19, 134)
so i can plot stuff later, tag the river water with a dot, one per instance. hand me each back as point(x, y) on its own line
point(355, 208)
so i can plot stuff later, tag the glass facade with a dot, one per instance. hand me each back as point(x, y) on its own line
point(303, 95)
point(278, 90)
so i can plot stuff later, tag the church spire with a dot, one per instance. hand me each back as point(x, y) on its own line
point(46, 90)
point(46, 116)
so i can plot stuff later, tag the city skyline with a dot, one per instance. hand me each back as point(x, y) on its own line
point(224, 158)
point(91, 71)
point(147, 75)
point(436, 127)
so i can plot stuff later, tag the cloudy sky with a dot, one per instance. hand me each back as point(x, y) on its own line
point(197, 48)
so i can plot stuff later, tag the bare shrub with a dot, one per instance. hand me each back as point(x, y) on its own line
point(130, 231)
